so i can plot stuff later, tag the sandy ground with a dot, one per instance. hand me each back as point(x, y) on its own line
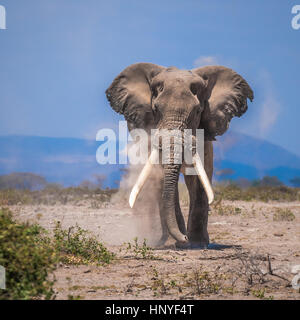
point(236, 266)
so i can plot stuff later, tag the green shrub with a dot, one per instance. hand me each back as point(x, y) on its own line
point(77, 246)
point(28, 257)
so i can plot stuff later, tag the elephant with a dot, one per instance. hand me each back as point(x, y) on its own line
point(156, 97)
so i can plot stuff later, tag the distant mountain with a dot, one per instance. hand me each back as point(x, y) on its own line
point(254, 158)
point(67, 161)
point(70, 161)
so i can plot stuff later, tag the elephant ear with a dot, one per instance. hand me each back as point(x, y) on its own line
point(225, 89)
point(130, 94)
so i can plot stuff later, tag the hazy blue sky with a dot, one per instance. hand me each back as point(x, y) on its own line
point(57, 57)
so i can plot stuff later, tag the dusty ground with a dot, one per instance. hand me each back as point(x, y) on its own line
point(236, 268)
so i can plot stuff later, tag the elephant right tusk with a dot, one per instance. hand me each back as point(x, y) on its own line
point(154, 156)
point(203, 177)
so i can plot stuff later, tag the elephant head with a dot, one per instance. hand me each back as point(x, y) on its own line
point(154, 97)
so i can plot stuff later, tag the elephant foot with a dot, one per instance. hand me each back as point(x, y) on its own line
point(162, 241)
point(191, 245)
point(199, 245)
point(183, 245)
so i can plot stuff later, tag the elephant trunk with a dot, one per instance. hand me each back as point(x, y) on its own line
point(171, 176)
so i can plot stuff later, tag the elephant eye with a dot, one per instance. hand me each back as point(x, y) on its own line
point(194, 87)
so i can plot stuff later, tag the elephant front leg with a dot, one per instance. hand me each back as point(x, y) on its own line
point(198, 213)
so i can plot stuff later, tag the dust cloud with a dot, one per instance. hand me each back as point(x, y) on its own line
point(143, 220)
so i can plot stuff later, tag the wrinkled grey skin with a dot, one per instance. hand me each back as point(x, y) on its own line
point(154, 97)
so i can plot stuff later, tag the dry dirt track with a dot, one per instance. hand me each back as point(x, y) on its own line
point(236, 268)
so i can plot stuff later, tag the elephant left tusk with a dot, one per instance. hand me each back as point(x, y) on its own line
point(143, 177)
point(203, 177)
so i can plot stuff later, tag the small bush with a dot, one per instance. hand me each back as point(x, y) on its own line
point(77, 246)
point(283, 215)
point(28, 257)
point(204, 282)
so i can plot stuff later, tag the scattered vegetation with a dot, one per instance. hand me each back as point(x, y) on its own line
point(198, 282)
point(260, 293)
point(260, 193)
point(234, 192)
point(283, 214)
point(55, 194)
point(27, 188)
point(51, 194)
